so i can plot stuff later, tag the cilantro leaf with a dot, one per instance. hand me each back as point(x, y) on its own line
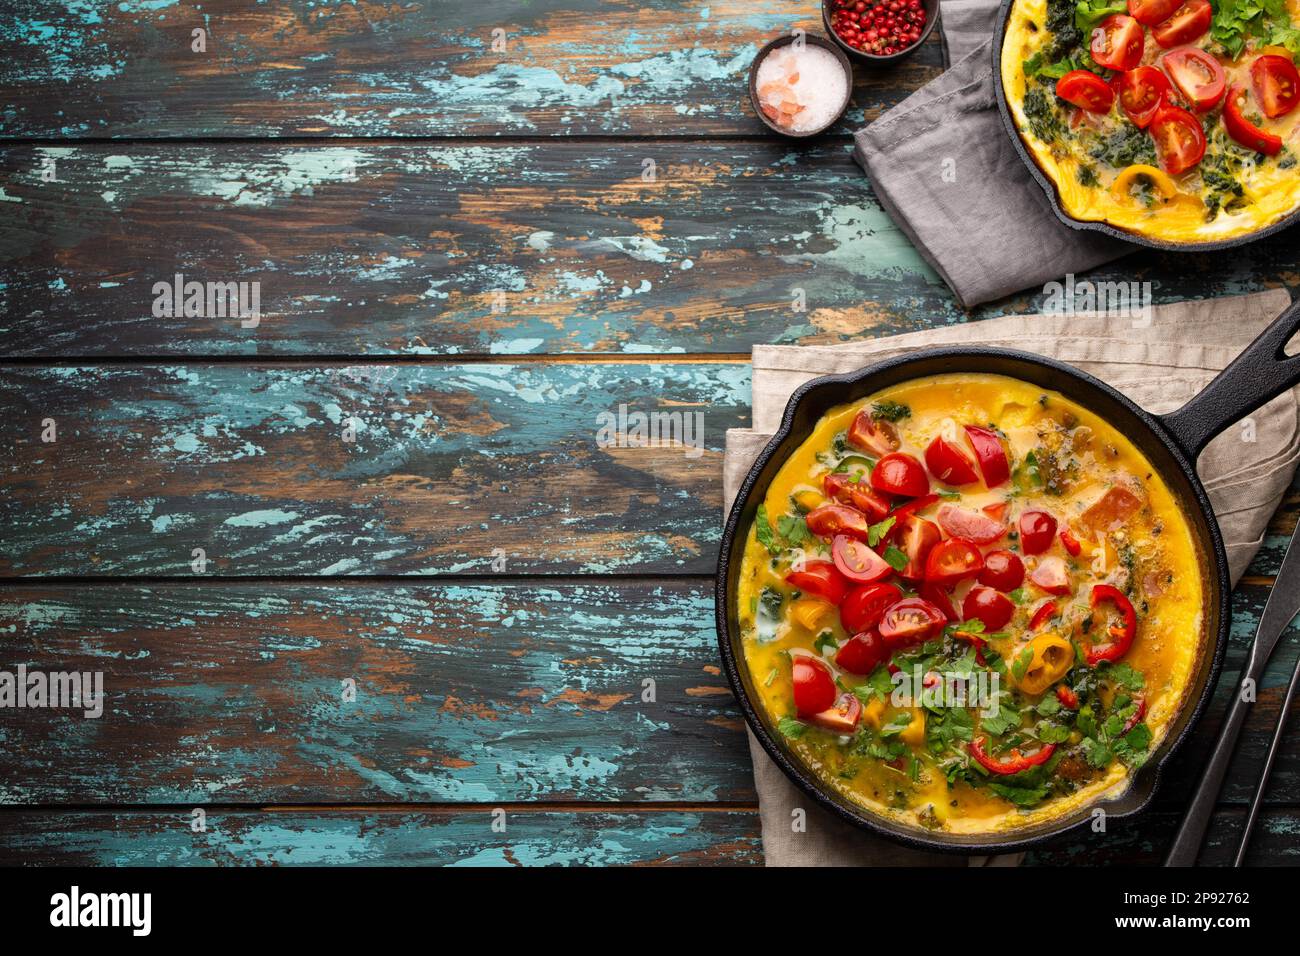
point(794, 529)
point(763, 530)
point(895, 558)
point(877, 531)
point(791, 727)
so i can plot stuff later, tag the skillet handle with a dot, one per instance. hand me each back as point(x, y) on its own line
point(1258, 374)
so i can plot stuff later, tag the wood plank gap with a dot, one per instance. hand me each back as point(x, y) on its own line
point(344, 361)
point(606, 579)
point(548, 806)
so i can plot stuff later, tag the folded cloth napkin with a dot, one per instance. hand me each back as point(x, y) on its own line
point(943, 167)
point(1159, 365)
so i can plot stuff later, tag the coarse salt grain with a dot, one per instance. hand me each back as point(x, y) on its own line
point(801, 89)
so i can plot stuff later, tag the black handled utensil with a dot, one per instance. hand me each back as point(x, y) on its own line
point(1288, 584)
point(1282, 605)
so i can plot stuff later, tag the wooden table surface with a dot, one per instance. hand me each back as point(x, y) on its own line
point(477, 227)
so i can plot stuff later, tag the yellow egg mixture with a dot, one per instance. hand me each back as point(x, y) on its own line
point(1063, 458)
point(1137, 196)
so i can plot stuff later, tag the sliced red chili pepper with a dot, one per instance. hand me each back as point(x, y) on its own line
point(1046, 611)
point(1137, 716)
point(1068, 698)
point(1070, 542)
point(975, 641)
point(1016, 763)
point(1121, 634)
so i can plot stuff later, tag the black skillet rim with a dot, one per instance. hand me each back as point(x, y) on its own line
point(909, 836)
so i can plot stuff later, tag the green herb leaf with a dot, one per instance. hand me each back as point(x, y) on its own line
point(763, 530)
point(890, 411)
point(895, 558)
point(876, 532)
point(794, 529)
point(791, 727)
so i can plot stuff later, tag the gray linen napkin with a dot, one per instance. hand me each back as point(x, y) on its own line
point(941, 164)
point(1160, 366)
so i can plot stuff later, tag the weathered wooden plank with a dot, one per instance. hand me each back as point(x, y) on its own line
point(298, 67)
point(465, 693)
point(361, 837)
point(368, 838)
point(452, 468)
point(479, 249)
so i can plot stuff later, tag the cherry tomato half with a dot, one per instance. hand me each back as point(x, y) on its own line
point(910, 621)
point(950, 561)
point(1037, 529)
point(990, 454)
point(1117, 42)
point(1051, 575)
point(1197, 74)
point(916, 537)
point(814, 686)
point(872, 435)
point(1150, 12)
point(987, 605)
point(1184, 25)
point(841, 717)
point(949, 464)
point(1179, 139)
point(1243, 130)
point(1276, 83)
point(857, 562)
point(964, 523)
point(862, 653)
point(826, 521)
point(864, 605)
point(937, 595)
point(845, 490)
point(898, 473)
point(820, 579)
point(1141, 92)
point(1003, 570)
point(1086, 90)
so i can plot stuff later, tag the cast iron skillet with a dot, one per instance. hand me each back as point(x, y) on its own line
point(1054, 199)
point(1171, 442)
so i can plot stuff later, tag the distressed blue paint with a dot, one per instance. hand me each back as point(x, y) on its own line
point(449, 463)
point(464, 694)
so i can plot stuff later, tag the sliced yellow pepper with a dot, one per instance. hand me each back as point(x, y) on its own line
point(874, 712)
point(1122, 187)
point(1053, 656)
point(914, 733)
point(807, 498)
point(809, 612)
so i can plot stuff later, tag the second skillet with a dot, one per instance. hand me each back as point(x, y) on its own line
point(1170, 442)
point(1049, 187)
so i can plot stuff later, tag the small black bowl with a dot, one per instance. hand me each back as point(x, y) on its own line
point(813, 40)
point(873, 59)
